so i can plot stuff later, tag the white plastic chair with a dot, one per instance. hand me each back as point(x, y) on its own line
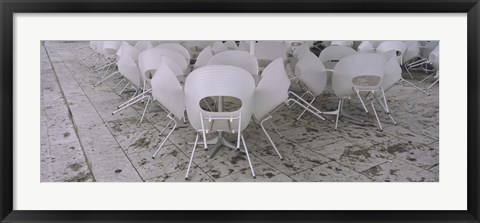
point(124, 48)
point(267, 51)
point(357, 73)
point(166, 89)
point(143, 45)
point(203, 57)
point(335, 53)
point(311, 72)
point(231, 45)
point(236, 58)
point(346, 43)
point(365, 47)
point(271, 92)
point(177, 47)
point(244, 46)
point(218, 47)
point(219, 80)
point(433, 58)
point(398, 46)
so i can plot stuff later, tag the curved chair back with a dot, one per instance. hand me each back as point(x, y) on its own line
point(128, 49)
point(335, 53)
point(231, 45)
point(129, 69)
point(143, 45)
point(267, 51)
point(412, 51)
point(218, 47)
point(272, 90)
point(311, 71)
point(219, 80)
point(398, 46)
point(110, 48)
point(177, 47)
point(346, 43)
point(433, 57)
point(203, 57)
point(428, 48)
point(392, 72)
point(236, 58)
point(367, 68)
point(365, 47)
point(167, 90)
point(149, 60)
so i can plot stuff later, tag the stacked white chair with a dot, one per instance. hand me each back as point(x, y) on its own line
point(236, 58)
point(169, 93)
point(365, 47)
point(398, 46)
point(311, 72)
point(435, 61)
point(231, 45)
point(177, 47)
point(203, 57)
point(271, 92)
point(143, 45)
point(218, 47)
point(219, 80)
point(109, 52)
point(268, 51)
point(126, 49)
point(335, 53)
point(129, 69)
point(355, 74)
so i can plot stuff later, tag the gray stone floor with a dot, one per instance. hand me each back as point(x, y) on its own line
point(81, 141)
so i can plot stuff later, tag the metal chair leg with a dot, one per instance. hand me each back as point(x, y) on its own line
point(268, 136)
point(248, 156)
point(376, 116)
point(166, 138)
point(191, 156)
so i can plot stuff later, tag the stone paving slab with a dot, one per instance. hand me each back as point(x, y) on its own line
point(83, 141)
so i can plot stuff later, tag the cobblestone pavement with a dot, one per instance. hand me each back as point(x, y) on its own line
point(81, 141)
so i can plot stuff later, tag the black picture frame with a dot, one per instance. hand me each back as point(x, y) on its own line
point(9, 7)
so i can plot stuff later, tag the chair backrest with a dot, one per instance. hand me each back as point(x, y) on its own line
point(219, 80)
point(166, 89)
point(149, 60)
point(267, 51)
point(218, 47)
point(335, 53)
point(311, 71)
point(428, 48)
point(365, 47)
point(143, 45)
point(398, 46)
point(272, 90)
point(203, 57)
point(110, 48)
point(347, 43)
point(177, 47)
point(236, 58)
point(433, 57)
point(367, 68)
point(392, 72)
point(231, 45)
point(128, 49)
point(412, 51)
point(129, 69)
point(375, 43)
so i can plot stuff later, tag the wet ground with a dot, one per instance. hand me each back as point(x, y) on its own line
point(81, 141)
